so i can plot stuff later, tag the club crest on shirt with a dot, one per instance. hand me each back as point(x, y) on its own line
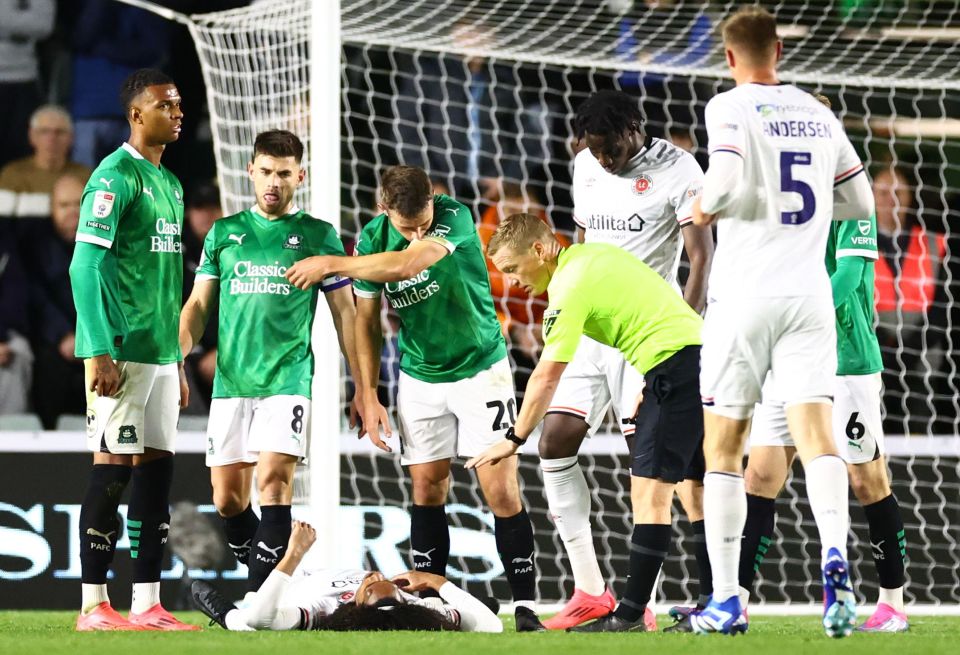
point(642, 184)
point(549, 318)
point(346, 597)
point(103, 203)
point(294, 242)
point(864, 227)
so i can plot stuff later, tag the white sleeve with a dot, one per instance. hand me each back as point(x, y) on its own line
point(264, 611)
point(578, 172)
point(853, 199)
point(689, 187)
point(474, 615)
point(727, 144)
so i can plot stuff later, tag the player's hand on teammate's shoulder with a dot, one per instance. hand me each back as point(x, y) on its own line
point(412, 581)
point(493, 454)
point(307, 272)
point(106, 375)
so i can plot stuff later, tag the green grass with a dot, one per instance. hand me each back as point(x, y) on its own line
point(51, 633)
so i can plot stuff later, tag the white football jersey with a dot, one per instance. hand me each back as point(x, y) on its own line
point(772, 237)
point(642, 208)
point(319, 592)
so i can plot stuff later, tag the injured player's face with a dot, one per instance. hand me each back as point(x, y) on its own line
point(376, 588)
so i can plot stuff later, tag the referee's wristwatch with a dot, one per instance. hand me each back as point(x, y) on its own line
point(512, 436)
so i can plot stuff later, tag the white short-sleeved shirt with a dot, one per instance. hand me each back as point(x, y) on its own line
point(772, 236)
point(642, 208)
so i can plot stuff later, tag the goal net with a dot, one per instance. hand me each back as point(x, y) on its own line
point(481, 93)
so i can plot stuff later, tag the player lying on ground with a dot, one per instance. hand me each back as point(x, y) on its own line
point(297, 598)
point(781, 168)
point(604, 292)
point(455, 395)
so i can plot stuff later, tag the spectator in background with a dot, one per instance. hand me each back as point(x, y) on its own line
point(111, 41)
point(26, 184)
point(203, 208)
point(520, 315)
point(58, 375)
point(16, 357)
point(468, 121)
point(22, 24)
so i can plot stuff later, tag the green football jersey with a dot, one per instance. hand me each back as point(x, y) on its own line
point(265, 321)
point(135, 210)
point(858, 351)
point(448, 325)
point(609, 295)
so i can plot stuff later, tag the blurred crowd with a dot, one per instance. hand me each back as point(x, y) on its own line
point(492, 133)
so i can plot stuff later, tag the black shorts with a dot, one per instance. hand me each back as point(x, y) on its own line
point(668, 442)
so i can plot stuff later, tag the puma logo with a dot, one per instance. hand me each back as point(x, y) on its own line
point(149, 191)
point(237, 237)
point(163, 526)
point(878, 548)
point(240, 547)
point(522, 560)
point(106, 537)
point(273, 551)
point(427, 555)
point(452, 211)
point(106, 182)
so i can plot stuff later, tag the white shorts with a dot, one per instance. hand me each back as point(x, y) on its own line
point(597, 376)
point(794, 339)
point(144, 415)
point(442, 420)
point(857, 425)
point(240, 428)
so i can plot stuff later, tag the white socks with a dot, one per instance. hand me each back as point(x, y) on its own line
point(827, 490)
point(569, 502)
point(91, 596)
point(725, 514)
point(145, 596)
point(892, 597)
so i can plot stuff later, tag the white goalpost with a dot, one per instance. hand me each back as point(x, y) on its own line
point(481, 94)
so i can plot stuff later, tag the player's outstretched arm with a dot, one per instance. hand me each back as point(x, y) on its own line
point(369, 346)
point(536, 400)
point(381, 267)
point(698, 244)
point(344, 314)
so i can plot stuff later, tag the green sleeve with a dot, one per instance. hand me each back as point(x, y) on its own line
point(563, 326)
point(209, 266)
point(857, 238)
point(365, 246)
point(105, 199)
point(88, 298)
point(453, 224)
point(846, 279)
point(330, 244)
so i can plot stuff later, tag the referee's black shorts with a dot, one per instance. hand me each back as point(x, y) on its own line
point(668, 442)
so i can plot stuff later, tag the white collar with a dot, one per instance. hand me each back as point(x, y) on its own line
point(131, 150)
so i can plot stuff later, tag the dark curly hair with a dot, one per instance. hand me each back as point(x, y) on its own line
point(385, 616)
point(607, 112)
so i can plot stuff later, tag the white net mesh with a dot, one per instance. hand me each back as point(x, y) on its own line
point(481, 93)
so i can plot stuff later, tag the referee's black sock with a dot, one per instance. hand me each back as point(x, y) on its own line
point(704, 571)
point(269, 543)
point(240, 530)
point(429, 540)
point(514, 536)
point(99, 526)
point(757, 537)
point(148, 517)
point(648, 548)
point(888, 541)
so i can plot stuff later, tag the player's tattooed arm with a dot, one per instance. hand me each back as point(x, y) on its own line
point(380, 267)
point(698, 244)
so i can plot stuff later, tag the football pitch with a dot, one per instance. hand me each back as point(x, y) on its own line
point(51, 633)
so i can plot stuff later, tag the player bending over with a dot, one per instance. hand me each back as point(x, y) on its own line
point(607, 294)
point(857, 430)
point(260, 412)
point(456, 394)
point(294, 598)
point(781, 168)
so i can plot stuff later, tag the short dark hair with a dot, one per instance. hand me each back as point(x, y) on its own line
point(753, 31)
point(139, 80)
point(405, 189)
point(607, 112)
point(351, 617)
point(278, 143)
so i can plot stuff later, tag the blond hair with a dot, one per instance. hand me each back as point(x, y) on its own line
point(518, 232)
point(752, 31)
